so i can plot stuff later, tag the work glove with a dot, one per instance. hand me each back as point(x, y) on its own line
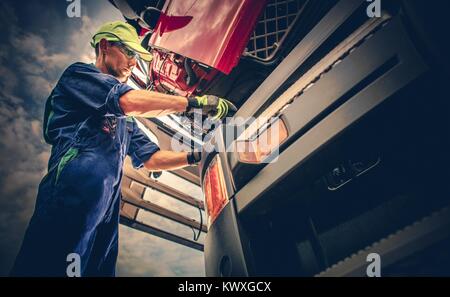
point(194, 157)
point(156, 174)
point(217, 108)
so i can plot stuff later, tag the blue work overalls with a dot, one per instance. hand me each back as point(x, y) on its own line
point(78, 201)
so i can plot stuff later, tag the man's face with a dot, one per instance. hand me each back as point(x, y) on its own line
point(117, 62)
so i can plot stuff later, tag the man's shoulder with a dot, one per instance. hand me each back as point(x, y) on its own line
point(80, 70)
point(80, 66)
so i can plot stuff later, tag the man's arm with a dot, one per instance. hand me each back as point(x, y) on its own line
point(143, 103)
point(167, 160)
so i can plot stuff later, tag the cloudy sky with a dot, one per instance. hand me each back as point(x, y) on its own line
point(38, 42)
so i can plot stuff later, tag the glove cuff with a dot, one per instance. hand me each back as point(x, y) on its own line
point(194, 158)
point(192, 103)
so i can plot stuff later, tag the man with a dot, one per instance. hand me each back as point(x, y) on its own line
point(89, 125)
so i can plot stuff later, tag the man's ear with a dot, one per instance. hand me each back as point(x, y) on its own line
point(103, 45)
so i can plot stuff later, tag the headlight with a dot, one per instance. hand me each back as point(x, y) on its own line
point(263, 143)
point(214, 189)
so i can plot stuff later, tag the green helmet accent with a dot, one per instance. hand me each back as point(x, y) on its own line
point(123, 32)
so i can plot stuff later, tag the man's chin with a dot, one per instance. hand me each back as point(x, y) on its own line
point(125, 76)
point(123, 79)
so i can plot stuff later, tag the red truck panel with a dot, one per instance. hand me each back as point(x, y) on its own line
point(213, 32)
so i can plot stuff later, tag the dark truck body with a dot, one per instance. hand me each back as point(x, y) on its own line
point(365, 165)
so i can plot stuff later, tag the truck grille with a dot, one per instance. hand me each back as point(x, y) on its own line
point(276, 22)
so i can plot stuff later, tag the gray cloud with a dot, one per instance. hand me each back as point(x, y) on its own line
point(23, 162)
point(143, 254)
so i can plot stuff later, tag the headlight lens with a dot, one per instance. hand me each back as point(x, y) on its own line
point(265, 143)
point(214, 189)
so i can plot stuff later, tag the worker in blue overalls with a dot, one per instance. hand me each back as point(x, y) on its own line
point(88, 121)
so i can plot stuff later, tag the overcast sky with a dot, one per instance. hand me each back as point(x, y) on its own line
point(38, 42)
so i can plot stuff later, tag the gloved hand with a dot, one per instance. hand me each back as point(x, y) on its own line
point(212, 105)
point(194, 157)
point(156, 174)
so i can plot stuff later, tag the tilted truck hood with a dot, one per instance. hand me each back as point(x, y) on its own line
point(213, 32)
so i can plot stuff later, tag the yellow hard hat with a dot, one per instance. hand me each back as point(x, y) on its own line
point(123, 32)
